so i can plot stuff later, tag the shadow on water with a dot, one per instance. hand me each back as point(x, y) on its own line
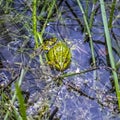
point(88, 96)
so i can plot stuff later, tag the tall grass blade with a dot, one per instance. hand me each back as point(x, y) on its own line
point(23, 72)
point(34, 20)
point(109, 46)
point(52, 5)
point(112, 14)
point(88, 31)
point(21, 102)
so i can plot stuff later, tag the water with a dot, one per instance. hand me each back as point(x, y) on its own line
point(81, 97)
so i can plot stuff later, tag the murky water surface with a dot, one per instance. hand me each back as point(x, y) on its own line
point(89, 96)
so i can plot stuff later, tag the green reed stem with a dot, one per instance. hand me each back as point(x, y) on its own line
point(20, 97)
point(48, 16)
point(78, 73)
point(112, 14)
point(110, 52)
point(35, 32)
point(86, 8)
point(34, 20)
point(38, 35)
point(23, 72)
point(92, 14)
point(88, 30)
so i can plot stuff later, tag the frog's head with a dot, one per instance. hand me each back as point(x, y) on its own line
point(49, 43)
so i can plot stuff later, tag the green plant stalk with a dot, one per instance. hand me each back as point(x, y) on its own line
point(40, 34)
point(111, 14)
point(89, 33)
point(7, 6)
point(109, 46)
point(78, 73)
point(23, 72)
point(86, 12)
point(40, 16)
point(21, 102)
point(35, 29)
point(48, 16)
point(41, 40)
point(37, 34)
point(86, 8)
point(34, 20)
point(92, 15)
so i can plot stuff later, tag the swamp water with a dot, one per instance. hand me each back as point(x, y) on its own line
point(88, 96)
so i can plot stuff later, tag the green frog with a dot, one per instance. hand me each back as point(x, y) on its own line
point(59, 56)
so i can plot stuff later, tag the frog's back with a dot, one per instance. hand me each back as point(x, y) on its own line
point(60, 56)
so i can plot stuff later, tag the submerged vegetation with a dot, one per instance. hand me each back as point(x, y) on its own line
point(86, 68)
